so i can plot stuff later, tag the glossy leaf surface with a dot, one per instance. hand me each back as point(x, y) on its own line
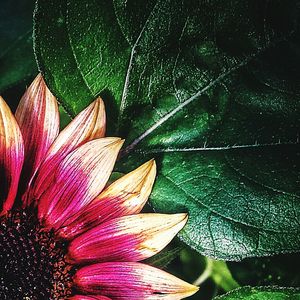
point(210, 89)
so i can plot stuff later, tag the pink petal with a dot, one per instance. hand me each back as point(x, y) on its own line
point(131, 280)
point(11, 157)
point(77, 180)
point(125, 196)
point(129, 238)
point(88, 125)
point(82, 297)
point(38, 118)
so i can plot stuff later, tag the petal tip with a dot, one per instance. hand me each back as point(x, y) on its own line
point(116, 143)
point(191, 290)
point(178, 220)
point(147, 171)
point(99, 102)
point(38, 82)
point(183, 218)
point(151, 164)
point(99, 108)
point(2, 103)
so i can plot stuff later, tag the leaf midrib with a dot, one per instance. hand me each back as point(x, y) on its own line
point(211, 84)
point(74, 54)
point(129, 67)
point(177, 109)
point(174, 111)
point(207, 148)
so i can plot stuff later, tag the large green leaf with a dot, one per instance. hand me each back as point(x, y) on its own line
point(262, 293)
point(17, 61)
point(236, 209)
point(210, 88)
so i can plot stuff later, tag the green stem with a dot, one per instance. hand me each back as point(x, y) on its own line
point(219, 273)
point(206, 274)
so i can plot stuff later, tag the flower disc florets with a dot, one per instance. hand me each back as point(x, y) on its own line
point(32, 260)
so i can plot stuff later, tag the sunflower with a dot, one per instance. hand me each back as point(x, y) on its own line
point(65, 233)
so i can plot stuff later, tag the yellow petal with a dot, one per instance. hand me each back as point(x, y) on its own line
point(79, 177)
point(133, 189)
point(126, 196)
point(88, 125)
point(129, 238)
point(131, 280)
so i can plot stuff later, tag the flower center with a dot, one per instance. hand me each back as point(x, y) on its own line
point(32, 261)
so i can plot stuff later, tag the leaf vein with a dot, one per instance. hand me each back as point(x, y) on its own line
point(75, 57)
point(198, 201)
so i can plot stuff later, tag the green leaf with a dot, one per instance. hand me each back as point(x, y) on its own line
point(210, 89)
point(64, 118)
point(262, 293)
point(162, 62)
point(222, 276)
point(17, 61)
point(236, 209)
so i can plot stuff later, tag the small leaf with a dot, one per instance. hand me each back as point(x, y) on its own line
point(222, 276)
point(262, 293)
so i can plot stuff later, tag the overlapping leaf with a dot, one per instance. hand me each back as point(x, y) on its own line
point(202, 86)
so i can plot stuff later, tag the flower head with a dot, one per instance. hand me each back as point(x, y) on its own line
point(65, 233)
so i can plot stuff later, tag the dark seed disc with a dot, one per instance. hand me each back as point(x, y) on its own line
point(32, 260)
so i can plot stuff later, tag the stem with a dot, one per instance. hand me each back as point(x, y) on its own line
point(206, 274)
point(219, 273)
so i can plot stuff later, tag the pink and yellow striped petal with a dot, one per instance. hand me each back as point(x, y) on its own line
point(38, 119)
point(11, 157)
point(77, 180)
point(129, 238)
point(125, 196)
point(131, 280)
point(87, 126)
point(82, 297)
